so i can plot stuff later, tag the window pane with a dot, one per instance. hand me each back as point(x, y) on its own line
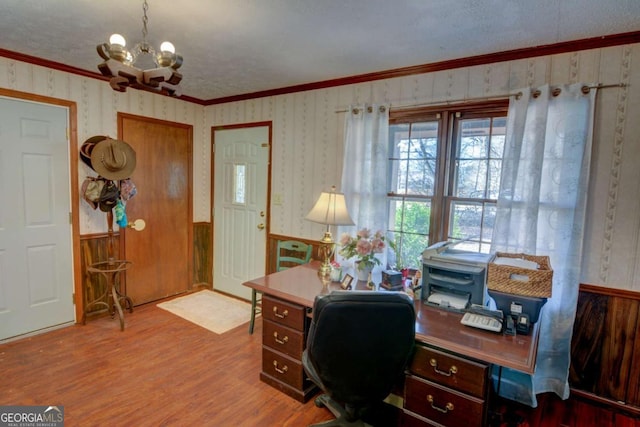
point(424, 140)
point(397, 134)
point(479, 158)
point(465, 221)
point(474, 138)
point(472, 221)
point(471, 178)
point(488, 221)
point(420, 177)
point(395, 214)
point(495, 169)
point(410, 250)
point(411, 144)
point(409, 223)
point(498, 137)
point(416, 217)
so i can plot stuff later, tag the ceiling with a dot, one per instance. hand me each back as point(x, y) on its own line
point(235, 47)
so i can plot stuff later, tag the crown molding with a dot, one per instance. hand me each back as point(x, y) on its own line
point(509, 55)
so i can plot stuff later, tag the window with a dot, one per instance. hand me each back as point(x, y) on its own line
point(444, 176)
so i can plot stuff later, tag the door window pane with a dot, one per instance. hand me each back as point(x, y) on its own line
point(239, 183)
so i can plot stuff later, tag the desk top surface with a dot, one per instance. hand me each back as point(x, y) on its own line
point(434, 326)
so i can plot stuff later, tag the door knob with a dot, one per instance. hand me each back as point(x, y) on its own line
point(261, 226)
point(137, 225)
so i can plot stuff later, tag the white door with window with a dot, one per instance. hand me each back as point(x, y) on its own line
point(240, 207)
point(36, 279)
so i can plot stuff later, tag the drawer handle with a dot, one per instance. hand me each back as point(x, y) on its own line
point(452, 370)
point(282, 370)
point(448, 407)
point(280, 341)
point(283, 315)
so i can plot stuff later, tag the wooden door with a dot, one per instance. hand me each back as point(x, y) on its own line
point(241, 160)
point(36, 276)
point(162, 252)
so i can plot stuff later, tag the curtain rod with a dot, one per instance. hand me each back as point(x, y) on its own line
point(585, 90)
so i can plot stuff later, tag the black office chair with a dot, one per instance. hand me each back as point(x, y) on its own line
point(358, 345)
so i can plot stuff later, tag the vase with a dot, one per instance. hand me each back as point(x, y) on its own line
point(363, 272)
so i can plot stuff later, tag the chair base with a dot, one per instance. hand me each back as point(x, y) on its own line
point(381, 415)
point(338, 411)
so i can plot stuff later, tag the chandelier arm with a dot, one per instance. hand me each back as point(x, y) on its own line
point(177, 63)
point(103, 51)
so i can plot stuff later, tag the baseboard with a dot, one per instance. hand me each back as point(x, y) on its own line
point(606, 403)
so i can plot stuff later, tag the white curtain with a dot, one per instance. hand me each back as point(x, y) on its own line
point(540, 211)
point(364, 171)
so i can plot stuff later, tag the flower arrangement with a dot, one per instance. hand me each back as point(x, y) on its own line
point(364, 247)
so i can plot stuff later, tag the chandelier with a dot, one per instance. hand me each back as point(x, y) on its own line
point(120, 63)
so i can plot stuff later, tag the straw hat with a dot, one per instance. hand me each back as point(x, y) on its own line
point(87, 148)
point(113, 159)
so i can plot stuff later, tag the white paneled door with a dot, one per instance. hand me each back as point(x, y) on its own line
point(240, 207)
point(36, 280)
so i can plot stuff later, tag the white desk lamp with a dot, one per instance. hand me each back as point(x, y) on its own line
point(330, 209)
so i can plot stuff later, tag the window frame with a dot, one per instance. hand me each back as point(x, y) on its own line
point(449, 119)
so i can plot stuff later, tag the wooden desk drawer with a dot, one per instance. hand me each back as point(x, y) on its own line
point(283, 339)
point(284, 369)
point(284, 313)
point(411, 420)
point(445, 406)
point(452, 371)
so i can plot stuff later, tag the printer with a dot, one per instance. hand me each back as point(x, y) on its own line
point(454, 279)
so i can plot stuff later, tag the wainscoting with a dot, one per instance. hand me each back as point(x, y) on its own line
point(202, 249)
point(606, 346)
point(95, 248)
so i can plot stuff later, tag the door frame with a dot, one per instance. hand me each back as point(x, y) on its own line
point(269, 125)
point(72, 136)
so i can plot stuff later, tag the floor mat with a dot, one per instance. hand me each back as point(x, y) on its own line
point(211, 310)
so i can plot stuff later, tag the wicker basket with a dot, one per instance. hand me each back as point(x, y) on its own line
point(536, 283)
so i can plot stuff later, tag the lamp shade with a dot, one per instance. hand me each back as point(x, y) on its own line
point(330, 209)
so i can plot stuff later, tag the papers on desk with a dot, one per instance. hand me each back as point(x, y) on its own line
point(516, 262)
point(448, 300)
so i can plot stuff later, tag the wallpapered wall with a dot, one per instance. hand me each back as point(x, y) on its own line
point(98, 106)
point(307, 137)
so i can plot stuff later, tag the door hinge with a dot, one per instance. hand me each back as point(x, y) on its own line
point(70, 218)
point(73, 298)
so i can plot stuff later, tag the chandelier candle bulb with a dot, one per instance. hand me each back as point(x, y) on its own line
point(117, 39)
point(167, 47)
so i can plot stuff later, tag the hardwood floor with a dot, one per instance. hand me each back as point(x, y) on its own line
point(165, 371)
